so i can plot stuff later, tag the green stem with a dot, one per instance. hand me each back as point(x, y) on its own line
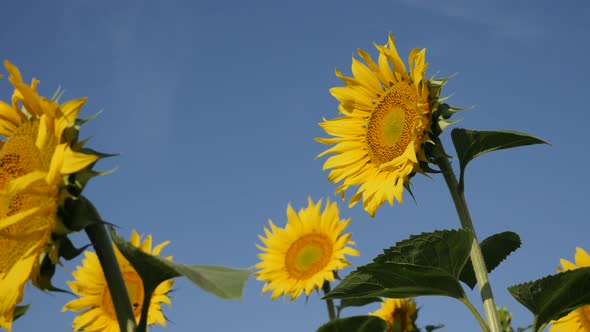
point(479, 266)
point(329, 302)
point(145, 309)
point(476, 314)
point(101, 242)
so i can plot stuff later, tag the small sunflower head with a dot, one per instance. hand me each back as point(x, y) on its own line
point(399, 313)
point(306, 253)
point(95, 302)
point(39, 153)
point(579, 319)
point(387, 117)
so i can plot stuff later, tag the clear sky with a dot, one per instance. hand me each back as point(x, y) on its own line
point(214, 105)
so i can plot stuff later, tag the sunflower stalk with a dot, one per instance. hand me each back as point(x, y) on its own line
point(101, 242)
point(479, 266)
point(329, 302)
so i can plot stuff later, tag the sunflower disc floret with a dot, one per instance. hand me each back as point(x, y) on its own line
point(35, 159)
point(400, 312)
point(378, 143)
point(306, 253)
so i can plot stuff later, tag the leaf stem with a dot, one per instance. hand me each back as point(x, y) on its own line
point(329, 302)
point(476, 314)
point(481, 272)
point(101, 242)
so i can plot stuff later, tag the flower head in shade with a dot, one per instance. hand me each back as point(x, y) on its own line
point(95, 299)
point(398, 311)
point(386, 117)
point(38, 152)
point(306, 253)
point(579, 319)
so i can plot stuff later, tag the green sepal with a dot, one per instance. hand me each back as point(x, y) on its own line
point(20, 311)
point(356, 302)
point(76, 182)
point(494, 250)
point(355, 324)
point(505, 318)
point(425, 264)
point(66, 248)
point(42, 279)
point(554, 296)
point(77, 214)
point(470, 144)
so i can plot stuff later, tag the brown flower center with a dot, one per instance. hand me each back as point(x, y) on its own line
point(308, 255)
point(390, 127)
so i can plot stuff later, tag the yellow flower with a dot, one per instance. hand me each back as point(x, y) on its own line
point(91, 285)
point(404, 309)
point(35, 157)
point(386, 120)
point(306, 253)
point(579, 319)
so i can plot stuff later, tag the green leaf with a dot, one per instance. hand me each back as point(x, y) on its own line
point(554, 296)
point(430, 328)
point(224, 282)
point(470, 144)
point(19, 311)
point(355, 324)
point(494, 249)
point(357, 302)
point(425, 264)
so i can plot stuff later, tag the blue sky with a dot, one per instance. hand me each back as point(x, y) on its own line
point(214, 105)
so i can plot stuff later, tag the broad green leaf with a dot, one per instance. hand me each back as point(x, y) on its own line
point(355, 324)
point(20, 310)
point(494, 249)
point(444, 249)
point(425, 264)
point(224, 282)
point(554, 296)
point(470, 144)
point(357, 302)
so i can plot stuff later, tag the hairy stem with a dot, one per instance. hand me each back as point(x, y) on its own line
point(476, 314)
point(479, 266)
point(330, 303)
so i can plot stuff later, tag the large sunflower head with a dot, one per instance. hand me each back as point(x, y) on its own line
point(579, 319)
point(36, 158)
point(306, 253)
point(400, 312)
point(386, 119)
point(90, 284)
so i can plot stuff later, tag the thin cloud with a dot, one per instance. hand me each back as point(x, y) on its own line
point(500, 17)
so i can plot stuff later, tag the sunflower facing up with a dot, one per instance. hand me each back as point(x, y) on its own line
point(35, 158)
point(306, 253)
point(579, 319)
point(393, 309)
point(90, 284)
point(387, 113)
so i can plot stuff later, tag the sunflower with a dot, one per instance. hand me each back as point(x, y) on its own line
point(91, 285)
point(35, 157)
point(403, 309)
point(387, 115)
point(579, 319)
point(306, 253)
